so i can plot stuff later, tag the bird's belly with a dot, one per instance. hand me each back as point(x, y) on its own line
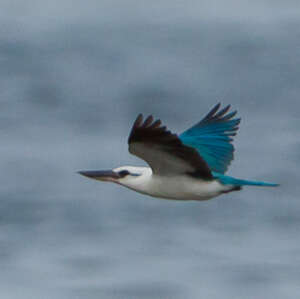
point(184, 188)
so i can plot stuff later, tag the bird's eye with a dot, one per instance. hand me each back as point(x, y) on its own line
point(123, 173)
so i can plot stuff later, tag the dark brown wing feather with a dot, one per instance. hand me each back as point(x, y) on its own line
point(164, 151)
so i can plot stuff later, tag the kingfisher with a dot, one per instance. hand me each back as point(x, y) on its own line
point(189, 166)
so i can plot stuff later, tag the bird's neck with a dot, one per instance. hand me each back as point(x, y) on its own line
point(141, 183)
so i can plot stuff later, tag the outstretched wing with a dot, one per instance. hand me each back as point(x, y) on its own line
point(211, 137)
point(164, 151)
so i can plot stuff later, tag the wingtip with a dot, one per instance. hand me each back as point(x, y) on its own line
point(148, 121)
point(217, 106)
point(138, 120)
point(140, 115)
point(222, 112)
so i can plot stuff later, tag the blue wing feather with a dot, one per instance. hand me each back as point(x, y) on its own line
point(212, 137)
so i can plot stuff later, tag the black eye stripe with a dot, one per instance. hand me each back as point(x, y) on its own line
point(123, 173)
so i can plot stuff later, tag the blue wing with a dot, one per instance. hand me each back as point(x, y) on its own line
point(212, 137)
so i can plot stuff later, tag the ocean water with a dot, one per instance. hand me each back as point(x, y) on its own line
point(74, 75)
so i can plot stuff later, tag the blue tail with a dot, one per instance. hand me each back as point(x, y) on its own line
point(227, 180)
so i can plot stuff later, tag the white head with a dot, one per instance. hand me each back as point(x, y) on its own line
point(128, 176)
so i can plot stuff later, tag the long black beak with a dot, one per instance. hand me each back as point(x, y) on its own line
point(101, 175)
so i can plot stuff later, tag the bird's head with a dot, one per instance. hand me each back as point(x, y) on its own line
point(124, 175)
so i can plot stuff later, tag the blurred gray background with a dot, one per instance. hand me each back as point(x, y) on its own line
point(74, 75)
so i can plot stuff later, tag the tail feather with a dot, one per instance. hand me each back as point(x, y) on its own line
point(227, 180)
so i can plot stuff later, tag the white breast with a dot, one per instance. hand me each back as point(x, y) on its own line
point(176, 187)
point(184, 188)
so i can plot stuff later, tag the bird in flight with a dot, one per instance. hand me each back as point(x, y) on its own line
point(189, 166)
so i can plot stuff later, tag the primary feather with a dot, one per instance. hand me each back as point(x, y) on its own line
point(212, 137)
